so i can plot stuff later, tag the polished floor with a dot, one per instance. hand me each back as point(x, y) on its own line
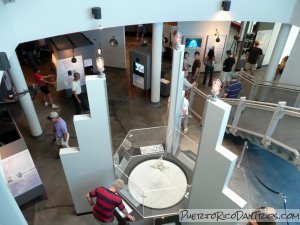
point(131, 109)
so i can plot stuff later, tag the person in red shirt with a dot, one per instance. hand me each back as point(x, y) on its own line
point(42, 83)
point(106, 202)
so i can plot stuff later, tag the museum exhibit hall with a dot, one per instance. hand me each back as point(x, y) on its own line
point(164, 113)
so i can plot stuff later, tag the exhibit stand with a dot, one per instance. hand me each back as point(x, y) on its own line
point(20, 173)
point(140, 67)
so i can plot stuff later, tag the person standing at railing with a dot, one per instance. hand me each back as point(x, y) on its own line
point(234, 87)
point(253, 55)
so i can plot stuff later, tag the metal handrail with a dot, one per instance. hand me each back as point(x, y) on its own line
point(253, 79)
point(286, 110)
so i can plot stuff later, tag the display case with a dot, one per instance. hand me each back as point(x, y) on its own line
point(157, 182)
point(20, 173)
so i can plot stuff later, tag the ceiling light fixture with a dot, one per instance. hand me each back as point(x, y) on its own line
point(113, 42)
point(73, 60)
point(218, 35)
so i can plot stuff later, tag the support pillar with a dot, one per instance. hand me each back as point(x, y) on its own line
point(20, 85)
point(277, 52)
point(157, 33)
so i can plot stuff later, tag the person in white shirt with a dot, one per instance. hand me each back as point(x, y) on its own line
point(185, 113)
point(77, 96)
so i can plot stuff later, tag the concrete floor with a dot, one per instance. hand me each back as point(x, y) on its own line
point(130, 109)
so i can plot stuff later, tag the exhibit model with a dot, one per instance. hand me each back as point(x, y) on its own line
point(157, 182)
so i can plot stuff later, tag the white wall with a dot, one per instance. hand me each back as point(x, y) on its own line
point(33, 19)
point(113, 56)
point(290, 42)
point(271, 45)
point(290, 74)
point(203, 29)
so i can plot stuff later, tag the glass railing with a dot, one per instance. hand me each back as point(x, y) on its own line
point(157, 182)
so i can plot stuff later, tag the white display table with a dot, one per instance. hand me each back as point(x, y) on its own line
point(157, 188)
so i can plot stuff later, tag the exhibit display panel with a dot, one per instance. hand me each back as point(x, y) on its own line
point(140, 67)
point(157, 183)
point(19, 170)
point(192, 44)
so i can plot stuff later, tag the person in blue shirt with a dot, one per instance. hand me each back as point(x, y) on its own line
point(234, 87)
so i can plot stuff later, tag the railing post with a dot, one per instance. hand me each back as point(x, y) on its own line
point(297, 101)
point(242, 155)
point(240, 108)
point(204, 110)
point(253, 91)
point(277, 115)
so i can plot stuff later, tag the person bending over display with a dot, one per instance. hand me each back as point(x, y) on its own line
point(107, 199)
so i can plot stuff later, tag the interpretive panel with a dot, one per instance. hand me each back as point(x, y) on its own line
point(151, 149)
point(219, 46)
point(67, 70)
point(20, 173)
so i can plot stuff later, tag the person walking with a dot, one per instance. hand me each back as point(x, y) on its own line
point(227, 68)
point(253, 55)
point(60, 131)
point(234, 87)
point(209, 63)
point(107, 199)
point(42, 82)
point(77, 96)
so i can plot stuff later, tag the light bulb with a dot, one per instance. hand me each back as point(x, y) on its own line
point(178, 37)
point(100, 64)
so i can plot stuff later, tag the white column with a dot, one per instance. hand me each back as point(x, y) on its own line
point(20, 85)
point(10, 211)
point(277, 52)
point(176, 100)
point(214, 166)
point(94, 153)
point(157, 33)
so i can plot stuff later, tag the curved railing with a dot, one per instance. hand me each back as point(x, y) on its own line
point(274, 126)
